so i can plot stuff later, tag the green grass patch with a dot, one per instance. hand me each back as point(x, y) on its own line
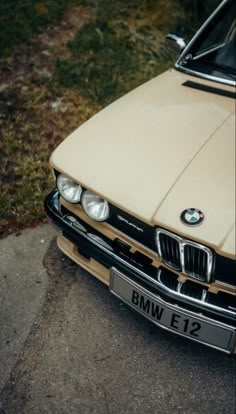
point(120, 48)
point(27, 138)
point(20, 19)
point(124, 45)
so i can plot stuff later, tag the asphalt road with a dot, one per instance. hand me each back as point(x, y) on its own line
point(68, 346)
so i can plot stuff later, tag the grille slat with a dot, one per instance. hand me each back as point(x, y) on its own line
point(170, 251)
point(195, 261)
point(169, 280)
point(192, 289)
point(164, 253)
point(197, 266)
point(199, 261)
point(173, 251)
point(168, 248)
point(188, 258)
point(193, 257)
point(203, 264)
point(177, 254)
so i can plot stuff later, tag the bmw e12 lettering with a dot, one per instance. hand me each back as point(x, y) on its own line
point(144, 194)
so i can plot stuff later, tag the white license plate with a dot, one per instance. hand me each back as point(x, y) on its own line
point(171, 317)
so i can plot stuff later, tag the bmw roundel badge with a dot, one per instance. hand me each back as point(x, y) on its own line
point(192, 217)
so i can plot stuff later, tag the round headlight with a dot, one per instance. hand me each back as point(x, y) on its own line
point(94, 206)
point(68, 189)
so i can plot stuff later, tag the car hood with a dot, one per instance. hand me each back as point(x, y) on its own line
point(158, 150)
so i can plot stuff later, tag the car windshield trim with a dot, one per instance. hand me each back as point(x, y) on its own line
point(205, 76)
point(231, 72)
point(192, 53)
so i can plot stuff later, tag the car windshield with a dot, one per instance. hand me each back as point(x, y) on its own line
point(213, 51)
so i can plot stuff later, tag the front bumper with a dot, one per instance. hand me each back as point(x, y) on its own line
point(89, 245)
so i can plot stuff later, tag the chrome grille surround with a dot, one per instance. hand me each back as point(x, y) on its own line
point(172, 251)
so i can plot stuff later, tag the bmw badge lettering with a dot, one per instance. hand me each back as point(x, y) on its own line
point(129, 223)
point(192, 217)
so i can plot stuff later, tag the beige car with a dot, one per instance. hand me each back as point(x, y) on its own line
point(145, 191)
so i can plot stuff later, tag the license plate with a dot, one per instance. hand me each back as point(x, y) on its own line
point(171, 317)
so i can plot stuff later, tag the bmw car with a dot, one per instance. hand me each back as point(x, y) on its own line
point(144, 195)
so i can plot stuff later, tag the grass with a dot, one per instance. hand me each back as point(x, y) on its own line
point(19, 20)
point(123, 45)
point(118, 49)
point(25, 145)
point(119, 46)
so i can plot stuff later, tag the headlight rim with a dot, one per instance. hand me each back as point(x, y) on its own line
point(67, 199)
point(83, 195)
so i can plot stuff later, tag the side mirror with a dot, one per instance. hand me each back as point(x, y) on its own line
point(175, 42)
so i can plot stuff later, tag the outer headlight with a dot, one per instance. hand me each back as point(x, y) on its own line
point(68, 189)
point(95, 207)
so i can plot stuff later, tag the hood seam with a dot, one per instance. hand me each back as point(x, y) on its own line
point(188, 164)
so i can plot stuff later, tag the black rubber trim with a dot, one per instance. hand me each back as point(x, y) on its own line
point(225, 270)
point(133, 227)
point(210, 89)
point(119, 259)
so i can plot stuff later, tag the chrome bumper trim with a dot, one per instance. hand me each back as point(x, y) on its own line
point(228, 349)
point(199, 301)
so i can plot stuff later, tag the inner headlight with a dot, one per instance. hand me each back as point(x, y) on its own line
point(95, 207)
point(68, 189)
